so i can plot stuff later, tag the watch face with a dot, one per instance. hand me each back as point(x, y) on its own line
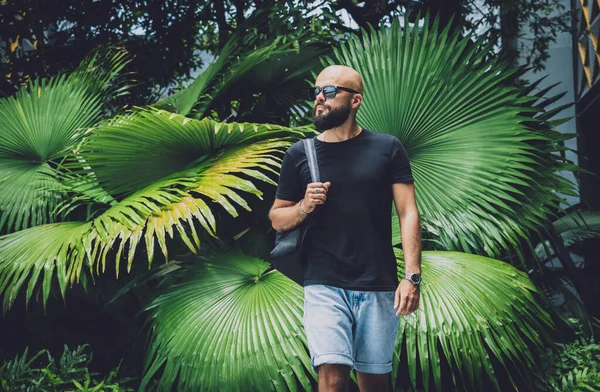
point(415, 278)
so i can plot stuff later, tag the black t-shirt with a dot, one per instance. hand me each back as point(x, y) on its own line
point(350, 244)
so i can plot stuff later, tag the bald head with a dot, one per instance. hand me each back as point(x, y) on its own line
point(340, 75)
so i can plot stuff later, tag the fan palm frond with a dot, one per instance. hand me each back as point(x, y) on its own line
point(39, 255)
point(234, 324)
point(479, 316)
point(40, 124)
point(214, 166)
point(484, 177)
point(134, 151)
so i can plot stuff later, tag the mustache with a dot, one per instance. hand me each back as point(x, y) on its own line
point(321, 104)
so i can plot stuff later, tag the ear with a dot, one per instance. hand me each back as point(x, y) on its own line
point(357, 100)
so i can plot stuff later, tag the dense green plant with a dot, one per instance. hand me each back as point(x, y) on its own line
point(485, 173)
point(42, 372)
point(576, 234)
point(255, 314)
point(166, 172)
point(467, 318)
point(41, 124)
point(162, 182)
point(574, 366)
point(265, 84)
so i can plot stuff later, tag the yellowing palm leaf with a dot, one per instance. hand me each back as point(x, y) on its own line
point(229, 160)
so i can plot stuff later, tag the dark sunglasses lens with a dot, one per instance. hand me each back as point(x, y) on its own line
point(313, 92)
point(329, 91)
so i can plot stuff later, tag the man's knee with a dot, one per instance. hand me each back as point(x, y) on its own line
point(333, 376)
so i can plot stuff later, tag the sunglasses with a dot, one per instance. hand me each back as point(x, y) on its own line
point(328, 91)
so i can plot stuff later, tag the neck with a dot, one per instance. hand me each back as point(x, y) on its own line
point(344, 132)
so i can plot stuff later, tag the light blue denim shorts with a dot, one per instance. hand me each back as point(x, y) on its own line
point(347, 327)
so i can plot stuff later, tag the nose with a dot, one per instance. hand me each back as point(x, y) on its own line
point(320, 97)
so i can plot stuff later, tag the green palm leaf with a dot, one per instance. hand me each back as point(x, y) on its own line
point(479, 316)
point(578, 226)
point(280, 83)
point(43, 253)
point(221, 166)
point(484, 177)
point(183, 101)
point(134, 151)
point(40, 125)
point(233, 324)
point(201, 95)
point(573, 228)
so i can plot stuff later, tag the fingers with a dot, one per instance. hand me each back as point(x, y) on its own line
point(407, 298)
point(316, 194)
point(403, 306)
point(318, 187)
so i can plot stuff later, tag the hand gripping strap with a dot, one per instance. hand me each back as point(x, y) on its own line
point(311, 156)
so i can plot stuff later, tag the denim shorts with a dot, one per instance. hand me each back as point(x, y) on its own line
point(347, 327)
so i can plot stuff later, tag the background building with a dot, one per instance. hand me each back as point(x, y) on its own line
point(586, 78)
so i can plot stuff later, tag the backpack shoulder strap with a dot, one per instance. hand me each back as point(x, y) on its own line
point(311, 156)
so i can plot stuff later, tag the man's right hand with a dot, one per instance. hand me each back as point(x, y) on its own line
point(316, 193)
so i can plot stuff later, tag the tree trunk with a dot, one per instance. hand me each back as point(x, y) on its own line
point(509, 32)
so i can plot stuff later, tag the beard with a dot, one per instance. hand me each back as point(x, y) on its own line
point(332, 119)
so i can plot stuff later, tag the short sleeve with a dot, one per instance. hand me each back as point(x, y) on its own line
point(401, 171)
point(289, 187)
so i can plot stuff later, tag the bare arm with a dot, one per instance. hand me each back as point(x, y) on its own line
point(287, 215)
point(407, 294)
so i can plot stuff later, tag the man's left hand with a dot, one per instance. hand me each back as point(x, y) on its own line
point(407, 298)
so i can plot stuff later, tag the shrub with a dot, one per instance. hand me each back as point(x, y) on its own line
point(575, 366)
point(41, 372)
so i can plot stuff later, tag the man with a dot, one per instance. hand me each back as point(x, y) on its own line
point(352, 295)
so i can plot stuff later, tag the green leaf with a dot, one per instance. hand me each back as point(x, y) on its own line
point(221, 174)
point(573, 228)
point(40, 254)
point(484, 168)
point(40, 126)
point(233, 324)
point(134, 151)
point(231, 65)
point(478, 315)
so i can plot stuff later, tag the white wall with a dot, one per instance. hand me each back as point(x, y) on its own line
point(559, 69)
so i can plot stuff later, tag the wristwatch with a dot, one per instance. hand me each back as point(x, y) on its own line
point(413, 278)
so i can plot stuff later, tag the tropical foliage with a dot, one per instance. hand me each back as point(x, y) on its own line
point(40, 125)
point(152, 204)
point(575, 366)
point(471, 150)
point(252, 310)
point(459, 310)
point(69, 372)
point(163, 181)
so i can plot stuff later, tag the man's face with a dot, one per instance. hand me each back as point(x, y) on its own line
point(326, 117)
point(331, 112)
